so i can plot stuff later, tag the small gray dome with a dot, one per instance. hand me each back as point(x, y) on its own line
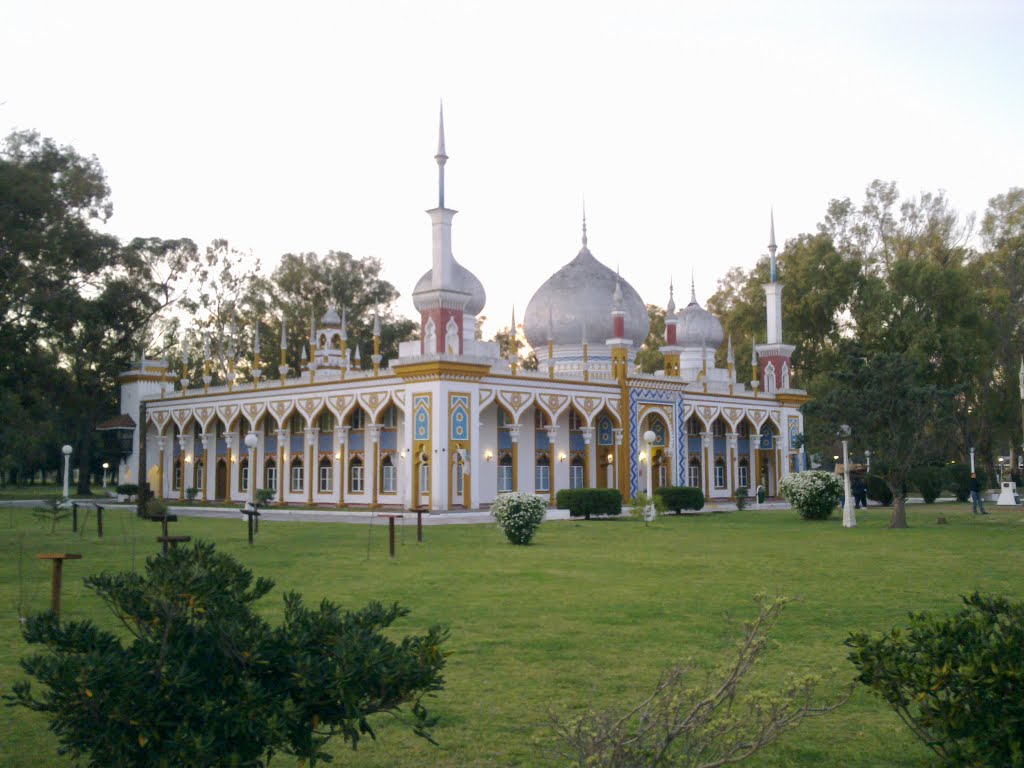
point(331, 316)
point(698, 327)
point(581, 293)
point(463, 280)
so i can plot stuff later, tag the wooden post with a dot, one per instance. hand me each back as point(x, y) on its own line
point(391, 532)
point(249, 516)
point(74, 517)
point(99, 520)
point(56, 580)
point(419, 526)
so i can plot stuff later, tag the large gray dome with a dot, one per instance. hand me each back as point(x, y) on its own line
point(462, 280)
point(698, 327)
point(581, 292)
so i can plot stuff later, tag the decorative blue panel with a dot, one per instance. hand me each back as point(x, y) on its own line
point(638, 395)
point(297, 444)
point(222, 447)
point(388, 440)
point(743, 446)
point(458, 406)
point(421, 417)
point(543, 443)
point(693, 446)
point(326, 441)
point(270, 445)
point(658, 428)
point(576, 441)
point(767, 438)
point(605, 433)
point(504, 440)
point(356, 441)
point(794, 432)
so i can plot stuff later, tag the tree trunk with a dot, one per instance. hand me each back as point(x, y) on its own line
point(899, 512)
point(84, 461)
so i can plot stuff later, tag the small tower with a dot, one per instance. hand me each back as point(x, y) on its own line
point(257, 364)
point(283, 368)
point(618, 345)
point(376, 343)
point(670, 350)
point(774, 355)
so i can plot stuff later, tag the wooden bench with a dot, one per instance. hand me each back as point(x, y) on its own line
point(174, 541)
point(74, 516)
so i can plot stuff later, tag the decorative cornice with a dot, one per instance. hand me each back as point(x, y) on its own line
point(441, 369)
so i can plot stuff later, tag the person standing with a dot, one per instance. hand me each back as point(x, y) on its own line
point(860, 493)
point(976, 500)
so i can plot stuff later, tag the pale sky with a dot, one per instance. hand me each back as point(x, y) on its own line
point(312, 126)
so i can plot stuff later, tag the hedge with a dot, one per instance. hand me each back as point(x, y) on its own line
point(679, 497)
point(584, 502)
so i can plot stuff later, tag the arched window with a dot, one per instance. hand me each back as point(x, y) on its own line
point(424, 477)
point(176, 477)
point(326, 421)
point(576, 479)
point(505, 474)
point(542, 474)
point(297, 475)
point(743, 429)
point(358, 419)
point(718, 427)
point(355, 476)
point(268, 429)
point(769, 378)
point(270, 475)
point(326, 475)
point(785, 376)
point(661, 471)
point(744, 473)
point(388, 475)
point(389, 419)
point(243, 475)
point(694, 472)
point(575, 421)
point(719, 473)
point(693, 426)
point(540, 419)
point(200, 482)
point(460, 478)
point(296, 424)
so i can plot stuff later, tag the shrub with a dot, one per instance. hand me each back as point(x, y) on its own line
point(958, 480)
point(52, 511)
point(814, 494)
point(191, 493)
point(199, 678)
point(956, 682)
point(519, 515)
point(155, 508)
point(127, 489)
point(879, 490)
point(929, 481)
point(693, 719)
point(264, 496)
point(584, 502)
point(742, 494)
point(679, 497)
point(643, 507)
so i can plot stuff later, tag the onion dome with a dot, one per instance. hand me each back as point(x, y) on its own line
point(580, 296)
point(331, 316)
point(462, 280)
point(698, 327)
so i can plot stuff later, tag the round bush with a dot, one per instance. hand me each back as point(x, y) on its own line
point(813, 494)
point(519, 515)
point(679, 497)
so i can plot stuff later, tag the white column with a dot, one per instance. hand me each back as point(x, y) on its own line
point(593, 457)
point(733, 459)
point(371, 463)
point(339, 458)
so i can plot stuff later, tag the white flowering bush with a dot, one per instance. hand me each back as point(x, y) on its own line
point(519, 515)
point(814, 494)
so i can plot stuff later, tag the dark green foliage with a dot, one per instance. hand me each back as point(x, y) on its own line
point(742, 497)
point(879, 490)
point(127, 489)
point(956, 682)
point(679, 497)
point(52, 511)
point(958, 480)
point(264, 496)
point(191, 493)
point(929, 480)
point(584, 502)
point(202, 680)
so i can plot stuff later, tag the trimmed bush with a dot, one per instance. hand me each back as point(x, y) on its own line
point(742, 495)
point(814, 494)
point(929, 481)
point(676, 498)
point(958, 480)
point(955, 681)
point(584, 502)
point(519, 515)
point(191, 493)
point(127, 489)
point(878, 490)
point(264, 496)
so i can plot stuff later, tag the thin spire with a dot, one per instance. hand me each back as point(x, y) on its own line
point(551, 331)
point(671, 307)
point(256, 340)
point(344, 324)
point(729, 358)
point(753, 350)
point(355, 357)
point(312, 331)
point(584, 222)
point(376, 322)
point(617, 295)
point(693, 289)
point(284, 333)
point(441, 157)
point(584, 335)
point(772, 247)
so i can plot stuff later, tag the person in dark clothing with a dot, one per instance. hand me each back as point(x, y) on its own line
point(976, 500)
point(860, 493)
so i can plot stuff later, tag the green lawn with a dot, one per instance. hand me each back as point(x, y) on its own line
point(589, 615)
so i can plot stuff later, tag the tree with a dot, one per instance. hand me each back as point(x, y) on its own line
point(704, 723)
point(649, 357)
point(503, 336)
point(203, 680)
point(890, 401)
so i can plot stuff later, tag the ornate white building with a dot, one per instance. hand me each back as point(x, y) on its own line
point(452, 424)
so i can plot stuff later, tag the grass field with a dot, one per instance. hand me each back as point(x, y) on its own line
point(588, 616)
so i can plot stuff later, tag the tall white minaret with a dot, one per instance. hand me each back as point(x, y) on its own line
point(441, 219)
point(774, 355)
point(773, 291)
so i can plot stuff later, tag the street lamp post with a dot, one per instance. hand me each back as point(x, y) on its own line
point(649, 438)
point(849, 518)
point(250, 442)
point(106, 466)
point(867, 457)
point(66, 450)
point(972, 459)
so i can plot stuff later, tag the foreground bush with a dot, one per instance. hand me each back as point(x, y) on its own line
point(694, 719)
point(202, 680)
point(584, 502)
point(519, 515)
point(679, 497)
point(957, 682)
point(814, 494)
point(929, 482)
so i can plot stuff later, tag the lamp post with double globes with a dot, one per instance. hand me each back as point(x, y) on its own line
point(649, 438)
point(66, 450)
